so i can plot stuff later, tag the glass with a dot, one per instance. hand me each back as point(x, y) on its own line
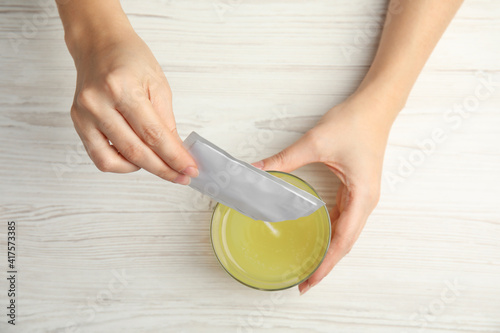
point(270, 256)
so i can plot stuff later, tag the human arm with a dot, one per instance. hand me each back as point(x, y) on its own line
point(351, 138)
point(122, 95)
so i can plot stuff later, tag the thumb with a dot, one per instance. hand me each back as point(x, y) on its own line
point(298, 154)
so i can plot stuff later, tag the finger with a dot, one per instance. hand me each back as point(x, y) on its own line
point(334, 216)
point(153, 131)
point(105, 157)
point(298, 154)
point(345, 231)
point(118, 131)
point(161, 99)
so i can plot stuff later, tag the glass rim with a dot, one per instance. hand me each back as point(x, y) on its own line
point(297, 283)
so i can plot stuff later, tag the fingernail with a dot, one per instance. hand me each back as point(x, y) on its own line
point(305, 289)
point(258, 165)
point(182, 179)
point(191, 171)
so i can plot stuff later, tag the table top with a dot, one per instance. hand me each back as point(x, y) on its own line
point(101, 252)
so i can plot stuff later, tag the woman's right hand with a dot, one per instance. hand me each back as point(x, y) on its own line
point(122, 108)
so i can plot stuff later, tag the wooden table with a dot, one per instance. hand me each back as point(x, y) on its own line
point(103, 252)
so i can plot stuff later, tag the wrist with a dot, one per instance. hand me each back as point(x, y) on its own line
point(376, 106)
point(384, 89)
point(383, 97)
point(89, 26)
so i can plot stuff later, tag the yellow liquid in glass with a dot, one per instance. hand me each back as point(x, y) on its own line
point(266, 255)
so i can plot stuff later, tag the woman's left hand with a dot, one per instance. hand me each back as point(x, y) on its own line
point(350, 140)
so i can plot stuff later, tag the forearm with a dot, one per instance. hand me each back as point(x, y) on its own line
point(411, 32)
point(90, 23)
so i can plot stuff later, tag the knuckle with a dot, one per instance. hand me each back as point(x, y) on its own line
point(107, 126)
point(153, 135)
point(345, 244)
point(125, 92)
point(75, 117)
point(103, 163)
point(119, 87)
point(113, 83)
point(280, 158)
point(313, 139)
point(167, 174)
point(174, 158)
point(174, 132)
point(133, 153)
point(85, 98)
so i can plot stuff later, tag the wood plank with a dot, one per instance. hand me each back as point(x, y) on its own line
point(105, 252)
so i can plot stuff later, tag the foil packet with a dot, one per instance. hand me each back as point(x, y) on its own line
point(245, 188)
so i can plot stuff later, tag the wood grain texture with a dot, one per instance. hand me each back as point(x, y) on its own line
point(131, 253)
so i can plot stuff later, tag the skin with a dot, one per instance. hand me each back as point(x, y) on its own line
point(351, 138)
point(123, 97)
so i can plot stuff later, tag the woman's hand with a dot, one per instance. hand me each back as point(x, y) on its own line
point(122, 108)
point(350, 140)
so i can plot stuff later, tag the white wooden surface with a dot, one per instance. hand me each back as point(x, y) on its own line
point(234, 68)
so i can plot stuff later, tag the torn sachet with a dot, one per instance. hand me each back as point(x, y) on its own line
point(245, 188)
